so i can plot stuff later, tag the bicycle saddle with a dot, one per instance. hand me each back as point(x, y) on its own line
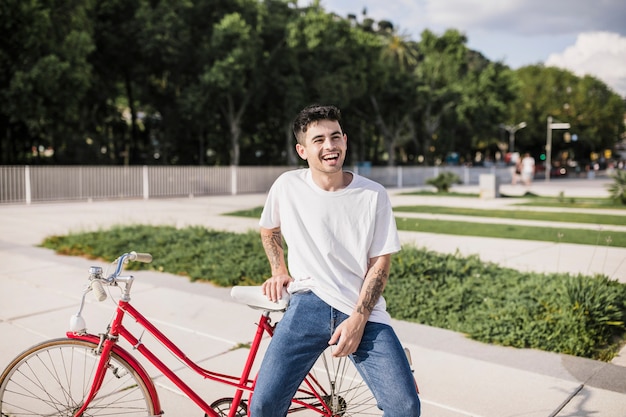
point(254, 297)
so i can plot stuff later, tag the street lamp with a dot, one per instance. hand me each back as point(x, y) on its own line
point(512, 129)
point(551, 127)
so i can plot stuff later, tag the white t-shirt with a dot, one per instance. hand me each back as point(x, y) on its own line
point(528, 165)
point(331, 235)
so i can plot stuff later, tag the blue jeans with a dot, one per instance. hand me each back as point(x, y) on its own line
point(303, 334)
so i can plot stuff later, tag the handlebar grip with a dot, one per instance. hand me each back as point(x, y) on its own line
point(98, 290)
point(141, 257)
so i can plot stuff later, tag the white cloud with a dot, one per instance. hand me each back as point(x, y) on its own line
point(600, 54)
point(517, 32)
point(529, 17)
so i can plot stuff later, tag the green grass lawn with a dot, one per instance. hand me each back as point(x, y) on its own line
point(572, 202)
point(512, 231)
point(599, 236)
point(533, 200)
point(560, 216)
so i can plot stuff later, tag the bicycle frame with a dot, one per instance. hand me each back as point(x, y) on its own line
point(109, 342)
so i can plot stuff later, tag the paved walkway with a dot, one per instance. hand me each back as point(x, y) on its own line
point(458, 377)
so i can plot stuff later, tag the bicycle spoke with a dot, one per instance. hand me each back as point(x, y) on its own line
point(341, 387)
point(54, 378)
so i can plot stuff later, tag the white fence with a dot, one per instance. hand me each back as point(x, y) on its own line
point(31, 184)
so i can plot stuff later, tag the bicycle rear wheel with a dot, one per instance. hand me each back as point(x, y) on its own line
point(223, 407)
point(343, 390)
point(53, 378)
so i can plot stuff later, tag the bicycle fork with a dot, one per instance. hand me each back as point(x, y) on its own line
point(104, 353)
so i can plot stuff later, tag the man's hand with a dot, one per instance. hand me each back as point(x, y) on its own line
point(273, 287)
point(348, 335)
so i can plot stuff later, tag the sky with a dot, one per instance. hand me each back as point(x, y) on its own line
point(587, 37)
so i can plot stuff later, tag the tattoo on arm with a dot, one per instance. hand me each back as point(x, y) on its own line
point(374, 290)
point(273, 244)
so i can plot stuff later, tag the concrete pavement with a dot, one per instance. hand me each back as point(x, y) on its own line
point(458, 377)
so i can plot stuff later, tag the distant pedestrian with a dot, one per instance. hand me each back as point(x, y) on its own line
point(516, 161)
point(528, 169)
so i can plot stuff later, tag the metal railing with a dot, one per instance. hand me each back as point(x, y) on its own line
point(32, 184)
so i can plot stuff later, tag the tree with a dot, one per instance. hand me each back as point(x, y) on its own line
point(441, 66)
point(244, 50)
point(45, 74)
point(593, 111)
point(218, 82)
point(170, 61)
point(334, 62)
point(486, 93)
point(111, 106)
point(461, 97)
point(271, 140)
point(393, 92)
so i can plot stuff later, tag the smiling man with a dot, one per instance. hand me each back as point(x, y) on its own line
point(341, 233)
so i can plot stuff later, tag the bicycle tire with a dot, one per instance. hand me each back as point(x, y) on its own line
point(223, 406)
point(346, 394)
point(53, 377)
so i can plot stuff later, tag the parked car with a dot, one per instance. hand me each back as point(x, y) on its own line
point(555, 172)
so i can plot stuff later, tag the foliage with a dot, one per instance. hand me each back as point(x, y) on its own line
point(577, 315)
point(225, 259)
point(444, 181)
point(45, 74)
point(461, 95)
point(217, 82)
point(594, 112)
point(618, 187)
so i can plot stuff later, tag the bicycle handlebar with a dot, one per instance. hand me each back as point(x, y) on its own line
point(96, 279)
point(125, 258)
point(140, 257)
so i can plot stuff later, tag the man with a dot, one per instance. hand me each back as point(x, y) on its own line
point(340, 231)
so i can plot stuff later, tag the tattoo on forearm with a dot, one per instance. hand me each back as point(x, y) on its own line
point(273, 245)
point(373, 291)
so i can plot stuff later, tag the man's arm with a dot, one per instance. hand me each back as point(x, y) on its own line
point(349, 333)
point(272, 240)
point(374, 285)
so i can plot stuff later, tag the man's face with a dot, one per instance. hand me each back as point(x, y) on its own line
point(324, 146)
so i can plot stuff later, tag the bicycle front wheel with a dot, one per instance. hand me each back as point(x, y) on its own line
point(54, 377)
point(343, 391)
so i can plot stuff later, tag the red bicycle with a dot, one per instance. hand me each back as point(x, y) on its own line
point(86, 374)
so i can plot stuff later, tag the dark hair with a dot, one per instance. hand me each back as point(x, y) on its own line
point(311, 114)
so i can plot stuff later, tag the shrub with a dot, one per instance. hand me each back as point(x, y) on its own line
point(577, 315)
point(224, 258)
point(444, 181)
point(618, 187)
